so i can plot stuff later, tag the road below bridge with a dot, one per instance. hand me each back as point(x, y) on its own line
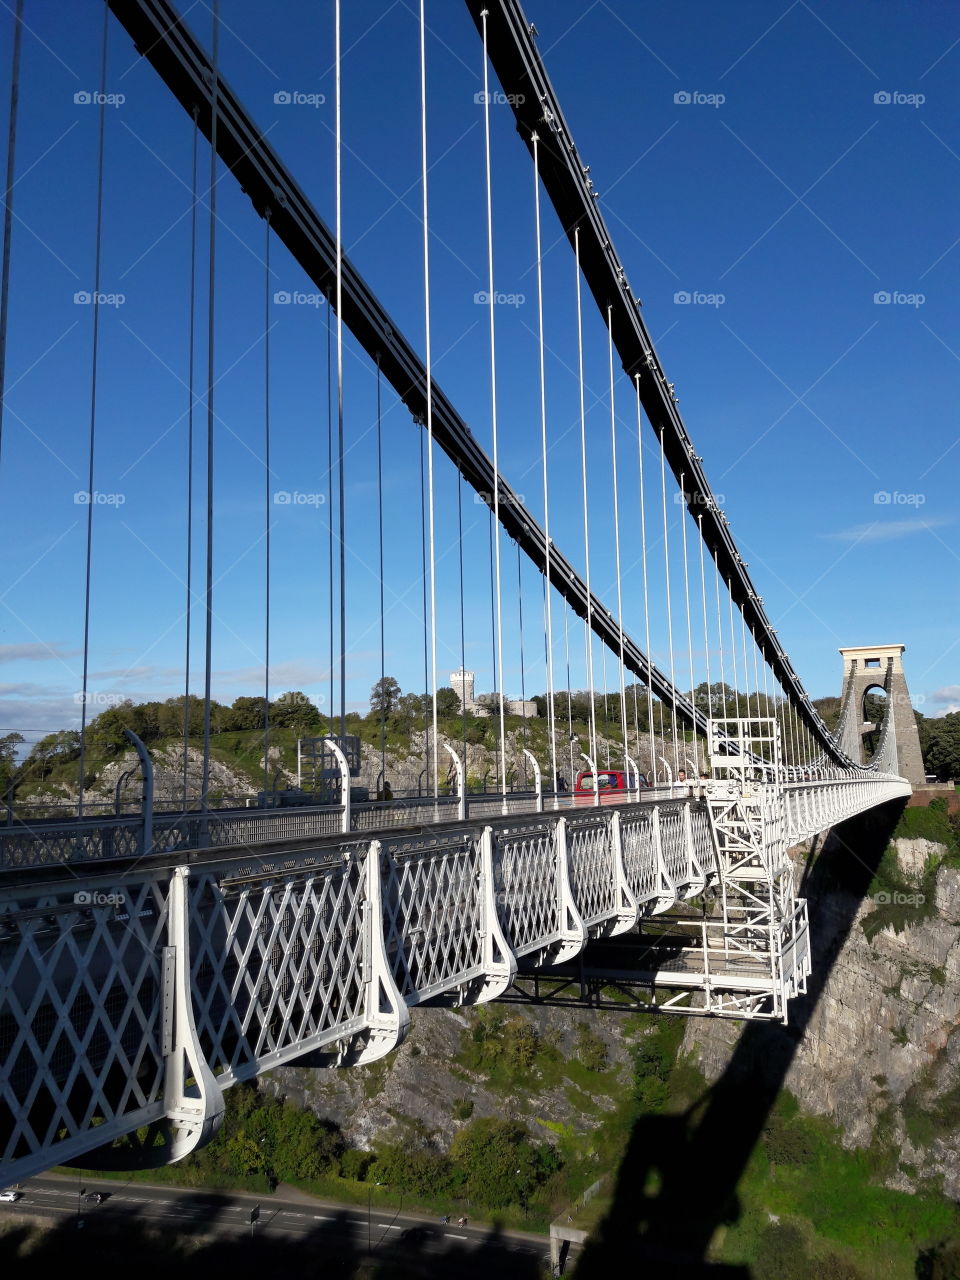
point(343, 1234)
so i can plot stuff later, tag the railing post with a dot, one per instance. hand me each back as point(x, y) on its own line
point(538, 779)
point(596, 780)
point(635, 773)
point(146, 802)
point(344, 780)
point(461, 787)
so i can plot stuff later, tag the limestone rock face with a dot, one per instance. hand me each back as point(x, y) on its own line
point(420, 1089)
point(884, 1027)
point(913, 855)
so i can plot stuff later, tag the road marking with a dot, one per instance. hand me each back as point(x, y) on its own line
point(357, 1222)
point(450, 1236)
point(322, 1217)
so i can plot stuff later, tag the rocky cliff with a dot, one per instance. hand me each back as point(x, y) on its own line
point(553, 1069)
point(879, 1048)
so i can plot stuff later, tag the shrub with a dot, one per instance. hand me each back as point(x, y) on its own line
point(500, 1163)
point(422, 1170)
point(787, 1144)
point(782, 1254)
point(354, 1163)
point(590, 1049)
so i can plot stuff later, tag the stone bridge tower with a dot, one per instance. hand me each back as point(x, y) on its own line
point(881, 667)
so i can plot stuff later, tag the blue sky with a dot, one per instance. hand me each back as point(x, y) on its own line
point(793, 169)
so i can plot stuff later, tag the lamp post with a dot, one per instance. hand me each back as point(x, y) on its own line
point(369, 1199)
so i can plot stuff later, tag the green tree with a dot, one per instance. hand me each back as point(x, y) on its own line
point(52, 750)
point(294, 710)
point(246, 713)
point(384, 696)
point(448, 704)
point(107, 730)
point(500, 1162)
point(419, 1169)
point(8, 759)
point(409, 712)
point(942, 753)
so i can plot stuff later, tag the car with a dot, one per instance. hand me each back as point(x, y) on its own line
point(10, 1195)
point(614, 786)
point(93, 1197)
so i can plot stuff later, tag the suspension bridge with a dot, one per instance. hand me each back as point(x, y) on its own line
point(152, 960)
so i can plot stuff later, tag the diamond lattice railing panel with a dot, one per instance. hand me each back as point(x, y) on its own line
point(702, 838)
point(433, 911)
point(39, 846)
point(640, 854)
point(403, 814)
point(591, 867)
point(673, 843)
point(526, 885)
point(81, 1024)
point(264, 827)
point(277, 961)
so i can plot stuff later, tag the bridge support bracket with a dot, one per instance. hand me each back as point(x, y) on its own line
point(499, 962)
point(573, 932)
point(666, 889)
point(387, 1015)
point(195, 1111)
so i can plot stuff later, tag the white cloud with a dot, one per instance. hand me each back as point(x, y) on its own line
point(36, 652)
point(887, 530)
point(947, 699)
